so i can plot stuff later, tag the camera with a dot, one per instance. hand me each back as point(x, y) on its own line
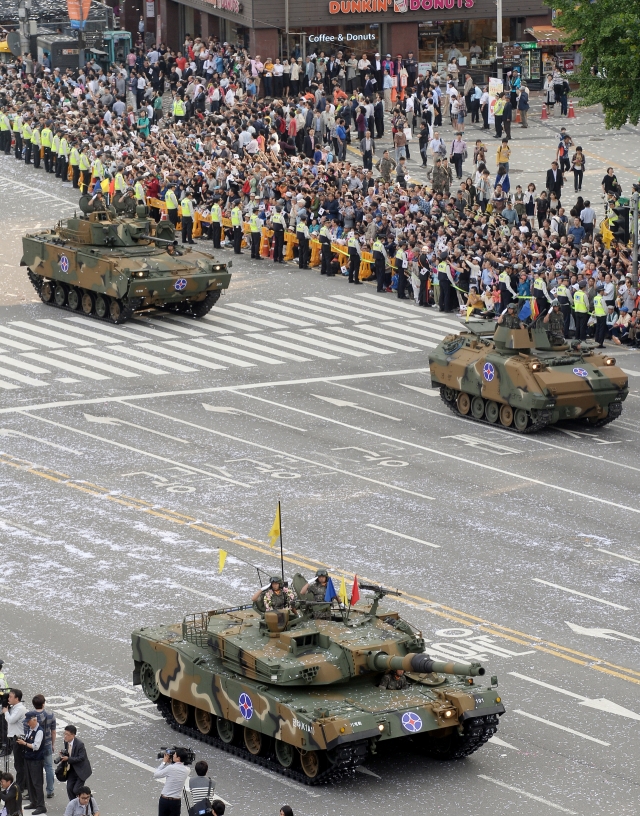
point(64, 753)
point(189, 755)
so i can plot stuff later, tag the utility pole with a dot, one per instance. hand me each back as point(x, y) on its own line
point(286, 26)
point(499, 56)
point(634, 209)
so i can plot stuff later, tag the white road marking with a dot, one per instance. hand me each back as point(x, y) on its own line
point(203, 325)
point(14, 361)
point(439, 336)
point(281, 307)
point(458, 324)
point(293, 456)
point(38, 190)
point(331, 313)
point(126, 332)
point(346, 309)
point(402, 535)
point(157, 320)
point(561, 727)
point(113, 358)
point(152, 358)
point(219, 345)
point(137, 450)
point(497, 741)
point(70, 369)
point(11, 432)
point(373, 334)
point(65, 327)
point(234, 325)
point(126, 689)
point(397, 330)
point(631, 372)
point(340, 342)
point(224, 410)
point(247, 766)
point(79, 358)
point(527, 794)
point(395, 308)
point(323, 344)
point(22, 378)
point(35, 327)
point(100, 420)
point(22, 336)
point(581, 594)
point(277, 341)
point(378, 310)
point(484, 444)
point(192, 350)
point(361, 769)
point(252, 319)
point(606, 634)
point(429, 392)
point(243, 307)
point(202, 594)
point(617, 555)
point(181, 355)
point(346, 404)
point(8, 386)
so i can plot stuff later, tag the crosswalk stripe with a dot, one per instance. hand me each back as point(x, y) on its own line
point(21, 346)
point(243, 307)
point(121, 332)
point(281, 307)
point(381, 309)
point(210, 354)
point(182, 355)
point(340, 341)
point(323, 344)
point(156, 322)
point(241, 352)
point(406, 310)
point(449, 325)
point(152, 358)
point(23, 378)
point(65, 327)
point(420, 331)
point(371, 333)
point(8, 386)
point(322, 310)
point(234, 325)
point(17, 363)
point(69, 355)
point(244, 341)
point(106, 355)
point(252, 319)
point(362, 311)
point(34, 327)
point(70, 369)
point(377, 329)
point(321, 355)
point(202, 324)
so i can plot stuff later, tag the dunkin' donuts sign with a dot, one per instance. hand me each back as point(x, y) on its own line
point(399, 6)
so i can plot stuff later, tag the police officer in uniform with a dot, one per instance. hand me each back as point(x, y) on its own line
point(36, 144)
point(302, 234)
point(74, 161)
point(216, 222)
point(171, 201)
point(179, 109)
point(506, 290)
point(5, 133)
point(62, 165)
point(26, 138)
point(325, 248)
point(509, 318)
point(353, 247)
point(401, 265)
point(565, 299)
point(255, 225)
point(581, 311)
point(187, 213)
point(540, 293)
point(394, 681)
point(317, 589)
point(555, 322)
point(600, 314)
point(380, 259)
point(17, 135)
point(278, 223)
point(446, 283)
point(46, 138)
point(236, 223)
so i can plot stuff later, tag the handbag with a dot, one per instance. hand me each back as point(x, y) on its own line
point(61, 771)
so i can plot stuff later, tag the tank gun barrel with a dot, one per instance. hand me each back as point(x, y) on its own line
point(421, 664)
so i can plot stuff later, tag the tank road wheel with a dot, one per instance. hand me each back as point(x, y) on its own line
point(506, 415)
point(148, 683)
point(477, 407)
point(285, 754)
point(255, 742)
point(205, 721)
point(115, 310)
point(311, 763)
point(46, 293)
point(492, 411)
point(101, 306)
point(73, 299)
point(202, 307)
point(226, 730)
point(87, 302)
point(464, 403)
point(180, 711)
point(60, 294)
point(521, 419)
point(448, 394)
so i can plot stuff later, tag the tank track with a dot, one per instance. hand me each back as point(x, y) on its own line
point(541, 421)
point(477, 732)
point(615, 410)
point(37, 282)
point(195, 310)
point(347, 759)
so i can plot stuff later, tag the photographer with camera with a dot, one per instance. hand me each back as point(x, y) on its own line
point(34, 748)
point(174, 771)
point(14, 713)
point(48, 722)
point(74, 757)
point(83, 805)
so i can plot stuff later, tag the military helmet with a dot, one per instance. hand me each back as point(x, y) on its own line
point(322, 572)
point(275, 579)
point(511, 305)
point(555, 303)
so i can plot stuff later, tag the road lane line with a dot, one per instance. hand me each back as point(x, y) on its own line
point(79, 358)
point(152, 358)
point(366, 331)
point(581, 594)
point(548, 686)
point(346, 309)
point(22, 378)
point(281, 307)
point(218, 345)
point(382, 331)
point(65, 338)
point(121, 332)
point(39, 341)
point(247, 766)
point(343, 341)
point(234, 325)
point(527, 794)
point(330, 313)
point(502, 744)
point(278, 341)
point(323, 344)
point(65, 327)
point(402, 535)
point(561, 727)
point(617, 555)
point(256, 310)
point(181, 355)
point(158, 321)
point(250, 318)
point(113, 358)
point(70, 369)
point(245, 341)
point(196, 350)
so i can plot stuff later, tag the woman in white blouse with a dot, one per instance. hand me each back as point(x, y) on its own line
point(278, 73)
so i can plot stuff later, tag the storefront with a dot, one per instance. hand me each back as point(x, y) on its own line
point(554, 52)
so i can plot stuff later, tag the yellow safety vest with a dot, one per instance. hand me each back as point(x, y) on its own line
point(46, 137)
point(35, 136)
point(17, 124)
point(443, 266)
point(187, 208)
point(84, 161)
point(170, 200)
point(216, 214)
point(179, 108)
point(580, 302)
point(55, 144)
point(236, 217)
point(4, 122)
point(352, 242)
point(254, 223)
point(139, 191)
point(119, 183)
point(562, 291)
point(598, 306)
point(378, 246)
point(64, 147)
point(74, 161)
point(26, 132)
point(97, 168)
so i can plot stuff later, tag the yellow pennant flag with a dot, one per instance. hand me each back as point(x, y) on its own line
point(342, 593)
point(222, 559)
point(274, 532)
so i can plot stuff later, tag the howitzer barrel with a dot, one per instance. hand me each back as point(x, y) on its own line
point(422, 664)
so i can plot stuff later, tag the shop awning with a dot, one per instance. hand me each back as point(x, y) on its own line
point(545, 35)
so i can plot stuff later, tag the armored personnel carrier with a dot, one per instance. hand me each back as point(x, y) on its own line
point(517, 379)
point(109, 266)
point(298, 692)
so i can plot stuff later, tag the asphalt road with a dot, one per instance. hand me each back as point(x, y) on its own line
point(131, 455)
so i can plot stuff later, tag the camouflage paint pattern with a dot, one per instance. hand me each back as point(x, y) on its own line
point(309, 684)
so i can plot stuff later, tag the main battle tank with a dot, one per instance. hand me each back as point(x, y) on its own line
point(517, 378)
point(299, 693)
point(108, 266)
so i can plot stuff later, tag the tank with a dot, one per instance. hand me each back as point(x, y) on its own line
point(518, 379)
point(297, 692)
point(113, 262)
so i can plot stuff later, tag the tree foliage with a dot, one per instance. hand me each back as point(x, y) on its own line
point(610, 31)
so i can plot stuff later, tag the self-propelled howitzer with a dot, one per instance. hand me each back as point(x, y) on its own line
point(299, 691)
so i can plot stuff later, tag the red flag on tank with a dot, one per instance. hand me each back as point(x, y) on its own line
point(534, 309)
point(355, 592)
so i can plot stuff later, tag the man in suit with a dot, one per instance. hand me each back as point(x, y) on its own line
point(376, 67)
point(10, 795)
point(309, 144)
point(554, 180)
point(79, 765)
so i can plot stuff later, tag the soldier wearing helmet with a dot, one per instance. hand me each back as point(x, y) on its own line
point(554, 320)
point(316, 589)
point(509, 318)
point(276, 596)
